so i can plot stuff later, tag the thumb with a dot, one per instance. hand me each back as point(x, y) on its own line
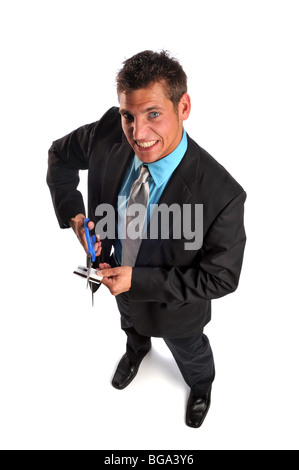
point(90, 225)
point(106, 272)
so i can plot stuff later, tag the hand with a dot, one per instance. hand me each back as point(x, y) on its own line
point(118, 280)
point(77, 224)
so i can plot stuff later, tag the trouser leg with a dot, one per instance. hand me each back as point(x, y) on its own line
point(137, 345)
point(194, 358)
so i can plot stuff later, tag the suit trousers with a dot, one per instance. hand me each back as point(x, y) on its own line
point(193, 354)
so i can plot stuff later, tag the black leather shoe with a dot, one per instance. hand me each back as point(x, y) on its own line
point(125, 372)
point(197, 409)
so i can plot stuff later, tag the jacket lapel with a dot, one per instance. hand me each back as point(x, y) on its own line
point(179, 188)
point(118, 161)
point(178, 191)
point(119, 158)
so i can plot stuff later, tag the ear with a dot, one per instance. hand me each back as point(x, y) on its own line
point(184, 107)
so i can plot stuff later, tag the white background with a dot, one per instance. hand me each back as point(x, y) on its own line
point(57, 353)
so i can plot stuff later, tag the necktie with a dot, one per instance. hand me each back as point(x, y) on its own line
point(139, 195)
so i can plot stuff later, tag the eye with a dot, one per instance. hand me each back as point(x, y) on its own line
point(128, 117)
point(154, 114)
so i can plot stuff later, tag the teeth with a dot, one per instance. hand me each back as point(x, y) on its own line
point(146, 144)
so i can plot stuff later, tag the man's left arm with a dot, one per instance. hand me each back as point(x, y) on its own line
point(217, 275)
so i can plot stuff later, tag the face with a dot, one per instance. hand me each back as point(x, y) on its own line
point(150, 122)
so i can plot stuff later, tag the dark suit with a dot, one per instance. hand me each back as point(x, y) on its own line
point(172, 287)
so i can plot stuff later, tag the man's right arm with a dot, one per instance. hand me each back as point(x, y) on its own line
point(67, 156)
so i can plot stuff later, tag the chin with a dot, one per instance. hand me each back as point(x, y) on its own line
point(148, 158)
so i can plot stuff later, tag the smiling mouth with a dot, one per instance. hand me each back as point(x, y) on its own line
point(146, 145)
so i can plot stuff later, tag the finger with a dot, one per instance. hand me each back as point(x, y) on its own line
point(107, 282)
point(100, 271)
point(84, 243)
point(82, 239)
point(108, 272)
point(98, 248)
point(90, 225)
point(104, 266)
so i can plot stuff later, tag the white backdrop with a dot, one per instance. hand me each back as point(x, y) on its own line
point(57, 353)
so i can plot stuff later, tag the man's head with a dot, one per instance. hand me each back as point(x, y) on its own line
point(149, 67)
point(152, 93)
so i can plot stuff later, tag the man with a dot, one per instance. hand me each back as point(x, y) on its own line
point(164, 287)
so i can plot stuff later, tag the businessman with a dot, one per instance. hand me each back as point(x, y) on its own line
point(164, 269)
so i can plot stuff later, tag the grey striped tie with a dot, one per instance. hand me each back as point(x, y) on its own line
point(139, 195)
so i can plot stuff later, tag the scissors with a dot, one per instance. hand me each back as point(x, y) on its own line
point(91, 251)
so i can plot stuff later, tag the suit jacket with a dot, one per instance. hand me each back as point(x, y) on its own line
point(172, 288)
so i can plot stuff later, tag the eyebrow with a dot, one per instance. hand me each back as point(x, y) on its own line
point(152, 108)
point(147, 110)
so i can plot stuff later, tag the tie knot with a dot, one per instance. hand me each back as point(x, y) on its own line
point(144, 174)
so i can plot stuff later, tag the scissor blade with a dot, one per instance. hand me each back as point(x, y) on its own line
point(88, 270)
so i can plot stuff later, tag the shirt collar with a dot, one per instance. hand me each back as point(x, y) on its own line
point(162, 169)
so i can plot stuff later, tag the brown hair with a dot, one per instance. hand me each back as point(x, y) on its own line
point(149, 67)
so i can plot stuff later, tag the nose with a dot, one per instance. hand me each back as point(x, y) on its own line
point(139, 129)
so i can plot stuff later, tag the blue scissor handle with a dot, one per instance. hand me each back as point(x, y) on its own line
point(90, 241)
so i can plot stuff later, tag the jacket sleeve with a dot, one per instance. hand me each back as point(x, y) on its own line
point(217, 274)
point(67, 156)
